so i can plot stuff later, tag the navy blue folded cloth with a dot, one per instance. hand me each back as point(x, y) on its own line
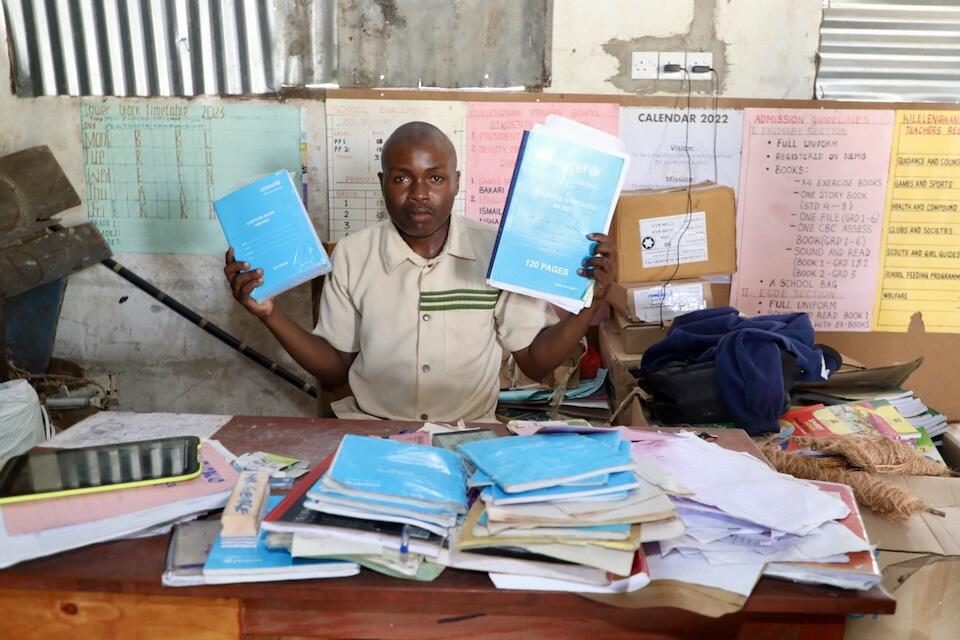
point(747, 355)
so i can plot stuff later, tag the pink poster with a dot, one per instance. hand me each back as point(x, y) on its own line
point(494, 130)
point(810, 215)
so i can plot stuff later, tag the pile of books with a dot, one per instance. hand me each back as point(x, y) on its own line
point(384, 504)
point(198, 555)
point(896, 414)
point(564, 511)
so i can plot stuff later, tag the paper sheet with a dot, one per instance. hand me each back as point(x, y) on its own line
point(808, 220)
point(494, 130)
point(657, 138)
point(108, 427)
point(737, 578)
point(741, 485)
point(920, 253)
point(356, 131)
point(153, 169)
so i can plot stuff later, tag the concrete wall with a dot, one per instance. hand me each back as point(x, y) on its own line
point(762, 48)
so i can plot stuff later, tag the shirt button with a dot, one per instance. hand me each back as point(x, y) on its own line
point(425, 368)
point(426, 317)
point(423, 416)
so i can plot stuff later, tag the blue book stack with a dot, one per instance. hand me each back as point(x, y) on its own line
point(416, 491)
point(267, 225)
point(565, 185)
point(226, 565)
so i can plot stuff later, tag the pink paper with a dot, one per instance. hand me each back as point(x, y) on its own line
point(494, 130)
point(413, 437)
point(810, 216)
point(39, 515)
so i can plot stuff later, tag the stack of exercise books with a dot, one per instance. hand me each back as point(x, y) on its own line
point(562, 511)
point(199, 555)
point(387, 505)
point(565, 186)
point(896, 414)
point(44, 527)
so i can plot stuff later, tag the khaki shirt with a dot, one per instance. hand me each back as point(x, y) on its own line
point(426, 330)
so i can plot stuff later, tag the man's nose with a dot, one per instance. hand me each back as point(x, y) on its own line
point(419, 191)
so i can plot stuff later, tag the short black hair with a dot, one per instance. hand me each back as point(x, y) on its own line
point(414, 132)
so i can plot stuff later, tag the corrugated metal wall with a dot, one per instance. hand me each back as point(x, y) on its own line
point(169, 47)
point(890, 50)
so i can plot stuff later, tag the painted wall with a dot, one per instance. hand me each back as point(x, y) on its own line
point(762, 49)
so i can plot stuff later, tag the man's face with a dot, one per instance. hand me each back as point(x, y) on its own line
point(419, 184)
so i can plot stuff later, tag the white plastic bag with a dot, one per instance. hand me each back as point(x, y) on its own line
point(21, 419)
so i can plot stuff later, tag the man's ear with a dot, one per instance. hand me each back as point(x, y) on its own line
point(457, 174)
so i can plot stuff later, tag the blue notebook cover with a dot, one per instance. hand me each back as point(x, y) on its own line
point(534, 462)
point(260, 559)
point(561, 191)
point(619, 483)
point(406, 473)
point(267, 226)
point(319, 492)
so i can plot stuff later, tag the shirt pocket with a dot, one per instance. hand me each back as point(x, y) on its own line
point(469, 340)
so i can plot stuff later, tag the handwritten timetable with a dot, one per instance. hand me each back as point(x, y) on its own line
point(356, 131)
point(810, 214)
point(668, 147)
point(494, 131)
point(153, 169)
point(920, 254)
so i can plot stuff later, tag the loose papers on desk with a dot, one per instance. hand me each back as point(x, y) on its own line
point(35, 529)
point(743, 513)
point(565, 186)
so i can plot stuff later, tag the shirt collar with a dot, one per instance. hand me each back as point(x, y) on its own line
point(394, 250)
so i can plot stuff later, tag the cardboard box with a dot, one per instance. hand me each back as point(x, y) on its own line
point(617, 361)
point(660, 301)
point(637, 337)
point(648, 224)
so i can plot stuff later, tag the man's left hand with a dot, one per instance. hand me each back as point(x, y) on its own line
point(601, 265)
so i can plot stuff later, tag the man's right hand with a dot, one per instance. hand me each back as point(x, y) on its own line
point(242, 281)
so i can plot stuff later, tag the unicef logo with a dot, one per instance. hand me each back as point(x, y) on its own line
point(647, 242)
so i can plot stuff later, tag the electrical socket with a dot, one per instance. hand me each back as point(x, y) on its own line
point(643, 65)
point(696, 58)
point(672, 57)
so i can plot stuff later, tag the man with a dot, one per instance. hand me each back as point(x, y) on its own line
point(406, 316)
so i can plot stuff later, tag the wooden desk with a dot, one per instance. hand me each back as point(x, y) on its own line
point(113, 590)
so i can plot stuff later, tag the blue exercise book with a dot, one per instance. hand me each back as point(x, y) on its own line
point(319, 492)
point(561, 191)
point(525, 463)
point(246, 564)
point(267, 225)
point(399, 472)
point(618, 484)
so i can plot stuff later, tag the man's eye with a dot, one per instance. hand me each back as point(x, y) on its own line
point(437, 179)
point(400, 179)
